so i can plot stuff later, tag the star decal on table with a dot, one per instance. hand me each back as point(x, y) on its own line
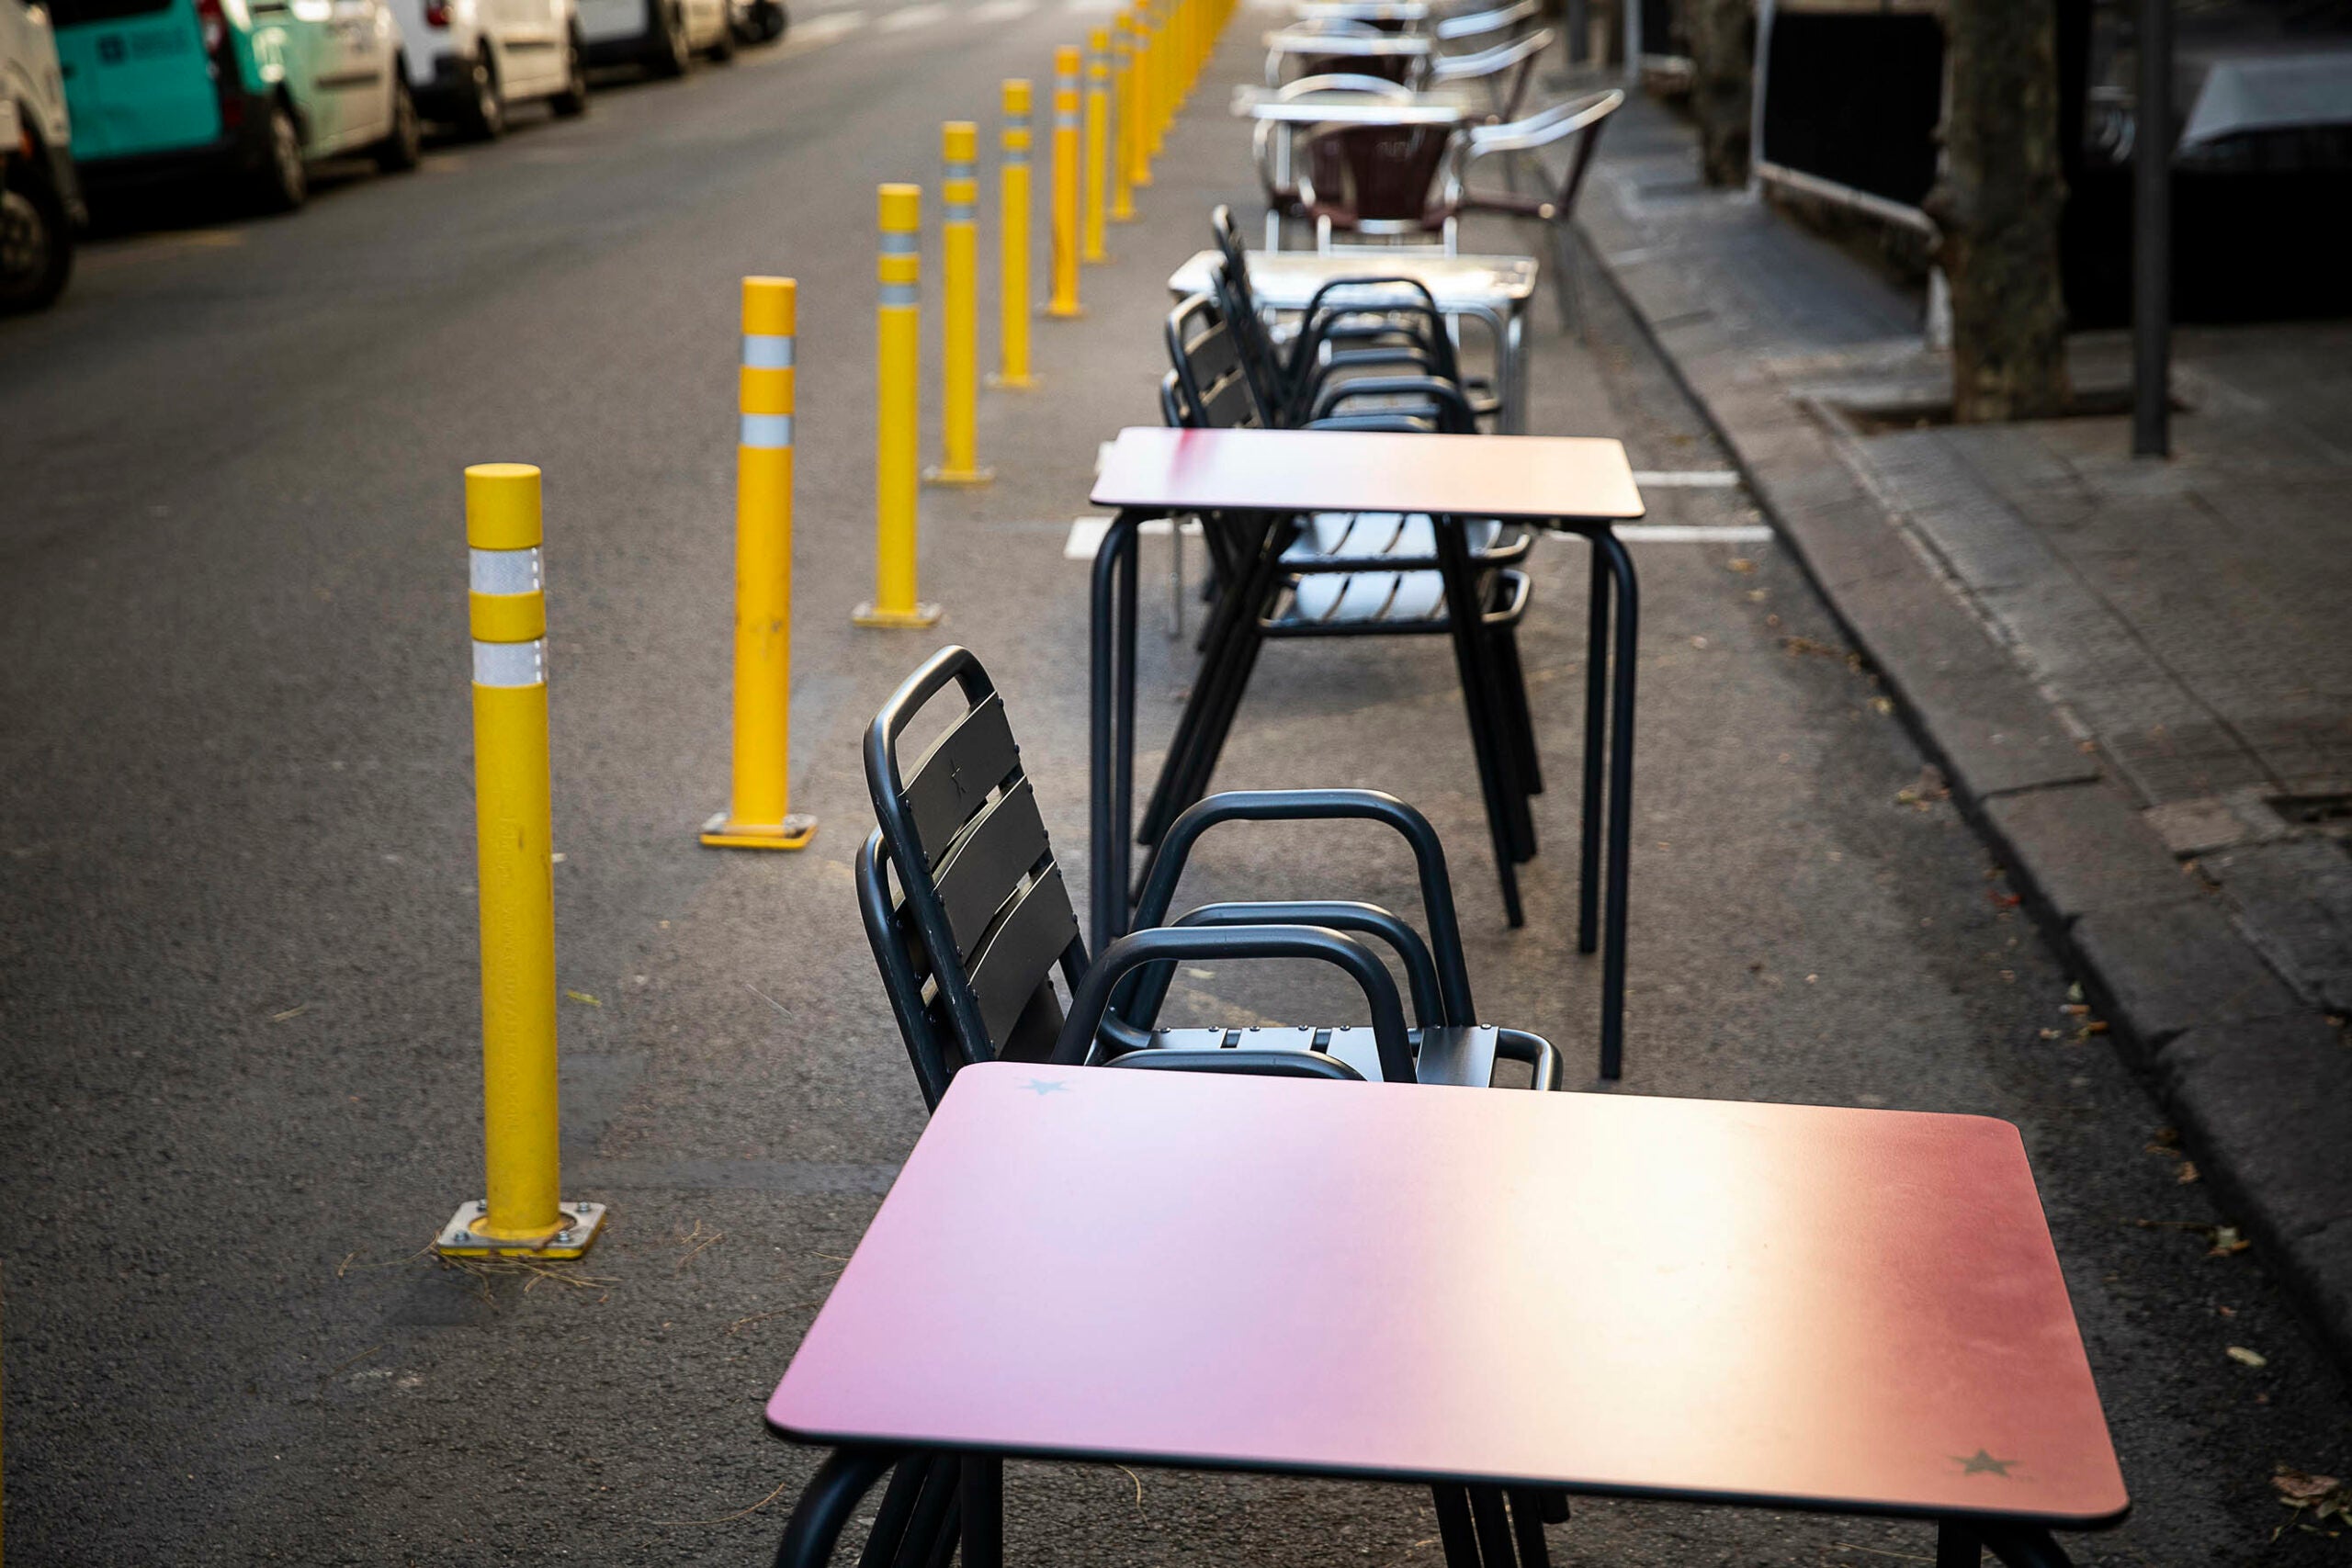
point(1982, 1464)
point(1046, 1086)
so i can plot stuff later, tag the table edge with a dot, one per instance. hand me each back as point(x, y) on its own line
point(809, 1438)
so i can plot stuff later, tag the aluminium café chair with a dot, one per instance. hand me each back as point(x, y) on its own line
point(1577, 122)
point(1397, 70)
point(1377, 183)
point(968, 946)
point(1365, 574)
point(1506, 70)
point(1272, 142)
point(1510, 20)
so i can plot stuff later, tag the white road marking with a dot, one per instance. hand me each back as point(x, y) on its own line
point(908, 16)
point(1090, 7)
point(1685, 478)
point(1086, 535)
point(1001, 10)
point(1684, 534)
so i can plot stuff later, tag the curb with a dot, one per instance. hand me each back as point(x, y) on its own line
point(2255, 1079)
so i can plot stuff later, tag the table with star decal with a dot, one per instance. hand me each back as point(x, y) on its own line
point(1509, 1298)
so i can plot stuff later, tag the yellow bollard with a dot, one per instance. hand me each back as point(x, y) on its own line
point(1123, 92)
point(959, 193)
point(897, 321)
point(514, 868)
point(758, 813)
point(1139, 110)
point(1163, 71)
point(1012, 242)
point(1064, 303)
point(1098, 138)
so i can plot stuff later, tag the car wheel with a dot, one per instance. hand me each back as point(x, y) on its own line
point(773, 20)
point(35, 243)
point(671, 55)
point(573, 99)
point(282, 183)
point(398, 152)
point(484, 117)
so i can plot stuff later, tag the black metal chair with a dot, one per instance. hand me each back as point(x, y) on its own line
point(968, 944)
point(1339, 574)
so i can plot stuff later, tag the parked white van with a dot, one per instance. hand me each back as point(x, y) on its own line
point(471, 59)
point(661, 35)
point(40, 200)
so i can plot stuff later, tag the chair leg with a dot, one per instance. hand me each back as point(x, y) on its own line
point(982, 1511)
point(1527, 1514)
point(1596, 739)
point(1496, 1549)
point(826, 1504)
point(1224, 673)
point(1566, 282)
point(1512, 733)
point(1496, 779)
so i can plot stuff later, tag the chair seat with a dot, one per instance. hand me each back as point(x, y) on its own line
point(1460, 1056)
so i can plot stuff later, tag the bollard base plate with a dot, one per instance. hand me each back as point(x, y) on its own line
point(959, 478)
point(457, 1238)
point(1002, 382)
point(1063, 312)
point(920, 617)
point(793, 833)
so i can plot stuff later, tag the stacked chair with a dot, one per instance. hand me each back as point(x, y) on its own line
point(1367, 353)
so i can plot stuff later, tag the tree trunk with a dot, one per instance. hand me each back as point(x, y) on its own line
point(1997, 200)
point(1723, 59)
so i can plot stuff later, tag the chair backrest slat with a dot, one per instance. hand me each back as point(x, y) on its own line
point(985, 867)
point(1209, 369)
point(1018, 955)
point(957, 775)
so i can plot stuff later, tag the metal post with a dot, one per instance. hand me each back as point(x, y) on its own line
point(1064, 304)
point(898, 317)
point(1098, 140)
point(1013, 241)
point(959, 306)
point(759, 814)
point(1123, 97)
point(515, 870)
point(2151, 238)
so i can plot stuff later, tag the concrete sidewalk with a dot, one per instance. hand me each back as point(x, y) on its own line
point(2137, 676)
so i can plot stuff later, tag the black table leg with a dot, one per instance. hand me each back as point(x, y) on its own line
point(1459, 1537)
point(1957, 1545)
point(1620, 805)
point(1487, 1511)
point(983, 1520)
point(1596, 748)
point(1111, 718)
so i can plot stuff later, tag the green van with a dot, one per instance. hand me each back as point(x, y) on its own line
point(162, 90)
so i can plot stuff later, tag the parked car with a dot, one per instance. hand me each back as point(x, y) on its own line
point(471, 59)
point(757, 21)
point(40, 200)
point(661, 35)
point(252, 89)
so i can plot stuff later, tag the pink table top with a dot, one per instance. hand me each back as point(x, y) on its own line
point(1793, 1305)
point(1539, 476)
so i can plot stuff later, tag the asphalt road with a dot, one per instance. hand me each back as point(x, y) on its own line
point(237, 988)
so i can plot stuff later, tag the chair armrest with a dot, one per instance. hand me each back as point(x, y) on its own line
point(1323, 805)
point(1143, 1003)
point(827, 1501)
point(1262, 1064)
point(1090, 1001)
